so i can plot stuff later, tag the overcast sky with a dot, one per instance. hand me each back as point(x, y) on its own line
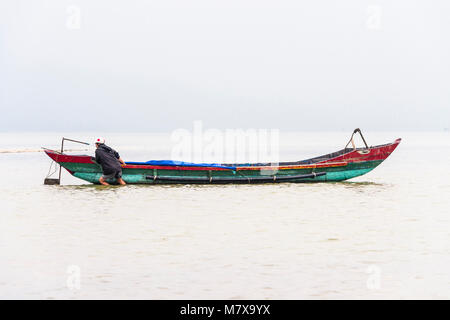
point(159, 65)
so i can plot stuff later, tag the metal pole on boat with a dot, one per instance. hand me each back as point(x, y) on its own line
point(60, 167)
point(52, 181)
point(360, 133)
point(62, 150)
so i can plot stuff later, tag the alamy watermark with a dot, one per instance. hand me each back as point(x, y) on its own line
point(225, 146)
point(374, 280)
point(374, 14)
point(73, 281)
point(73, 21)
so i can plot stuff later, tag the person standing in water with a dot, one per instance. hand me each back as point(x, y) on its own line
point(110, 161)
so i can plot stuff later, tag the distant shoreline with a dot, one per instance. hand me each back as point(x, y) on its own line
point(34, 150)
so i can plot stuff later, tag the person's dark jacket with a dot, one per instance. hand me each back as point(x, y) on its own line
point(108, 158)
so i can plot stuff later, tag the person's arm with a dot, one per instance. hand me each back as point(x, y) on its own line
point(116, 154)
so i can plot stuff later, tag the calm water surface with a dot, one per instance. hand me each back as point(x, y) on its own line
point(383, 235)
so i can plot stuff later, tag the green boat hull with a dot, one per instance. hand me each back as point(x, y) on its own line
point(136, 176)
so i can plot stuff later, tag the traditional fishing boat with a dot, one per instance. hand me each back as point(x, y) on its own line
point(337, 166)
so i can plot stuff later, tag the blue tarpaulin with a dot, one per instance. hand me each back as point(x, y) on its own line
point(180, 163)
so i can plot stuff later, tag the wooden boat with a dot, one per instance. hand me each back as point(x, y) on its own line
point(337, 166)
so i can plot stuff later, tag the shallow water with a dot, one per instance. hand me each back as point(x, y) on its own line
point(382, 235)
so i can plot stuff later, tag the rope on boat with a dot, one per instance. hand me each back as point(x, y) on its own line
point(351, 139)
point(49, 169)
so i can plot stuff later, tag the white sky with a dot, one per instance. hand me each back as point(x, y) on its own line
point(160, 65)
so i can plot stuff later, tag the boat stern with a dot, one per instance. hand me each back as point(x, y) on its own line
point(75, 164)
